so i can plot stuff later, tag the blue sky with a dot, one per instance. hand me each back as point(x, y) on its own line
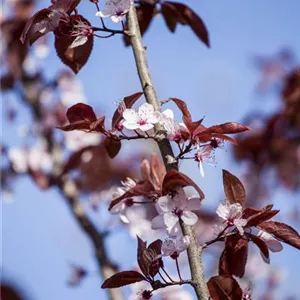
point(39, 235)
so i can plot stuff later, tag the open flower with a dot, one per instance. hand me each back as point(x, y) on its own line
point(273, 244)
point(81, 30)
point(144, 119)
point(173, 128)
point(116, 9)
point(122, 206)
point(232, 214)
point(172, 247)
point(173, 209)
point(205, 154)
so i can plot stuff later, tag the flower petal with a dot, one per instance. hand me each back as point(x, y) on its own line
point(189, 218)
point(146, 127)
point(130, 125)
point(170, 219)
point(222, 211)
point(193, 203)
point(145, 110)
point(163, 205)
point(130, 115)
point(158, 222)
point(104, 13)
point(168, 113)
point(80, 40)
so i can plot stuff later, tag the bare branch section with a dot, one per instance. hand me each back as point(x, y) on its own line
point(70, 192)
point(194, 251)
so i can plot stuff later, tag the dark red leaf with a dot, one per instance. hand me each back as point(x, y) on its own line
point(234, 257)
point(171, 15)
point(145, 13)
point(65, 6)
point(158, 172)
point(76, 57)
point(81, 112)
point(184, 109)
point(30, 36)
point(189, 17)
point(233, 188)
point(261, 217)
point(146, 170)
point(113, 146)
point(224, 288)
point(122, 278)
point(227, 128)
point(282, 232)
point(143, 263)
point(260, 244)
point(128, 102)
point(174, 178)
point(156, 246)
point(75, 159)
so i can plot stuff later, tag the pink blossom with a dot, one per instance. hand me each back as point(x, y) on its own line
point(144, 119)
point(205, 154)
point(273, 244)
point(35, 158)
point(173, 128)
point(174, 246)
point(173, 209)
point(81, 31)
point(122, 206)
point(76, 140)
point(116, 9)
point(232, 214)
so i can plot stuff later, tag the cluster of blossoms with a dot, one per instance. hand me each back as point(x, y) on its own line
point(145, 118)
point(232, 215)
point(36, 158)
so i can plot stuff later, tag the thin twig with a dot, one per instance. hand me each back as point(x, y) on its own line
point(178, 270)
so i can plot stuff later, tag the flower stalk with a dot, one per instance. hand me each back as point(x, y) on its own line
point(194, 251)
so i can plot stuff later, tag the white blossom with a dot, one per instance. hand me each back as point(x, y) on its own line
point(232, 214)
point(116, 9)
point(173, 209)
point(176, 245)
point(34, 158)
point(204, 154)
point(121, 207)
point(76, 140)
point(273, 244)
point(143, 120)
point(172, 127)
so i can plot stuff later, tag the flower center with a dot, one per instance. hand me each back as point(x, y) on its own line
point(178, 212)
point(142, 122)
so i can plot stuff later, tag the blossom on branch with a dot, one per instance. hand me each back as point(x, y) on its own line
point(144, 119)
point(122, 206)
point(232, 215)
point(81, 30)
point(173, 209)
point(116, 9)
point(172, 247)
point(174, 129)
point(273, 244)
point(205, 154)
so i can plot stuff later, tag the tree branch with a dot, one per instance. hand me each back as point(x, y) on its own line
point(194, 251)
point(70, 192)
